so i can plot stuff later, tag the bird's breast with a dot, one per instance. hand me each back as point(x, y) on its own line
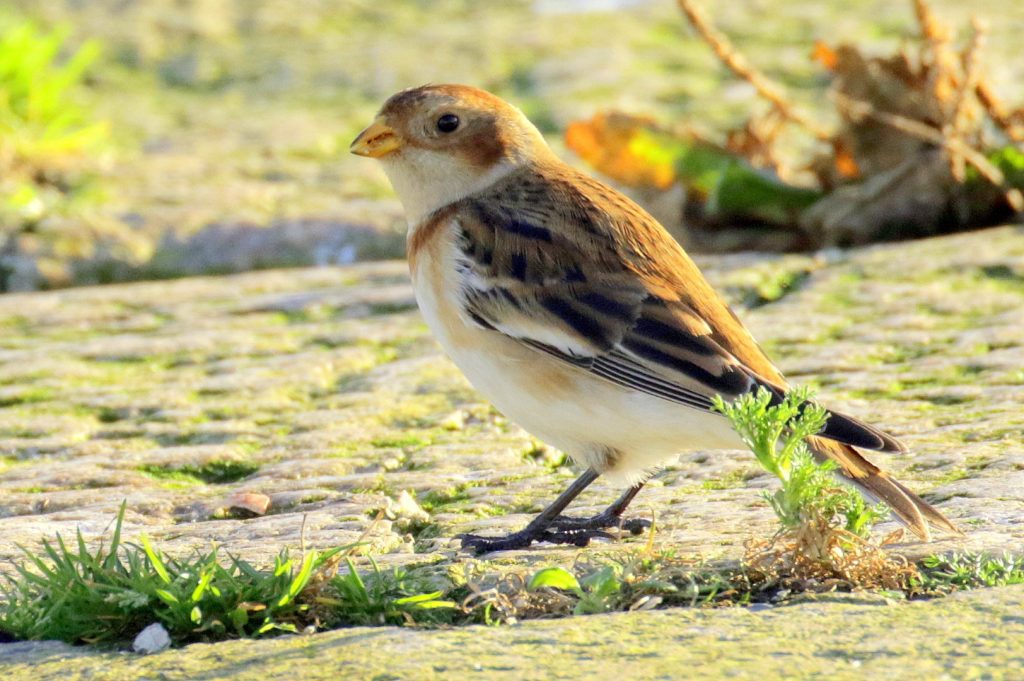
point(507, 372)
point(433, 257)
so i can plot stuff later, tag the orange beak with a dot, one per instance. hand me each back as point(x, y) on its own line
point(376, 141)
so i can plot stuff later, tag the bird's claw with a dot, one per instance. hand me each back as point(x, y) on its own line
point(562, 530)
point(601, 521)
point(479, 545)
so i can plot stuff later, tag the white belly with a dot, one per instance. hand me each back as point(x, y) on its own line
point(622, 433)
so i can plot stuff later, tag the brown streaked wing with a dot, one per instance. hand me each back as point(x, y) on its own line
point(540, 264)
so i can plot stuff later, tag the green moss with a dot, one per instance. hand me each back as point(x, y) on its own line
point(731, 480)
point(775, 286)
point(423, 533)
point(380, 485)
point(342, 450)
point(903, 353)
point(1004, 277)
point(213, 472)
point(888, 390)
point(391, 308)
point(32, 395)
point(111, 415)
point(951, 476)
point(189, 438)
point(542, 455)
point(440, 500)
point(405, 442)
point(22, 433)
point(227, 413)
point(947, 400)
point(970, 467)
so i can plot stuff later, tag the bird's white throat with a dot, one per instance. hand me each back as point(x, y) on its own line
point(426, 180)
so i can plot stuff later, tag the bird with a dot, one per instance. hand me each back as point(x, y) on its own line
point(576, 313)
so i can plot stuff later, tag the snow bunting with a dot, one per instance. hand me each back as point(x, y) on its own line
point(574, 311)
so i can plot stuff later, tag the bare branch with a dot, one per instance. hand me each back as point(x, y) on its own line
point(1006, 120)
point(738, 64)
point(959, 119)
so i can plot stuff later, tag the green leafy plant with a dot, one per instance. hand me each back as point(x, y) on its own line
point(642, 580)
point(40, 123)
point(383, 597)
point(597, 592)
point(777, 435)
point(825, 533)
point(108, 594)
point(944, 574)
point(50, 146)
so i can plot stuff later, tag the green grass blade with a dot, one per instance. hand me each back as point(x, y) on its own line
point(154, 560)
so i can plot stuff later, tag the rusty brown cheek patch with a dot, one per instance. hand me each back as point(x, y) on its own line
point(484, 148)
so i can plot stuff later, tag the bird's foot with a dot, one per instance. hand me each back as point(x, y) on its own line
point(580, 536)
point(561, 530)
point(509, 542)
point(600, 521)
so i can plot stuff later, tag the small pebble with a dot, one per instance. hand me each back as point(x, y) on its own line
point(152, 639)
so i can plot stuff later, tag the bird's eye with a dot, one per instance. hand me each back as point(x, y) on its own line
point(447, 122)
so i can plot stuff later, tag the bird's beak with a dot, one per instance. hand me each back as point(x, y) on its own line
point(377, 140)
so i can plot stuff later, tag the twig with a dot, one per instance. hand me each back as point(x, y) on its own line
point(361, 541)
point(1007, 121)
point(302, 534)
point(860, 109)
point(736, 63)
point(932, 30)
point(940, 62)
point(957, 124)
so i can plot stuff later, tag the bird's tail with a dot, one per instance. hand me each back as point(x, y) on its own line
point(912, 510)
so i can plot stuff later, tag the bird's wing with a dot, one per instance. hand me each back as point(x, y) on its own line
point(570, 267)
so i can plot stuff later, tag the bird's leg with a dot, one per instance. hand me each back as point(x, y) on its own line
point(539, 527)
point(610, 517)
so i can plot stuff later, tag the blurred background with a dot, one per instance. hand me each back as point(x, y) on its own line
point(161, 138)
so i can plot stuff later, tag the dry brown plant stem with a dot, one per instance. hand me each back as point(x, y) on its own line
point(959, 117)
point(1010, 122)
point(738, 64)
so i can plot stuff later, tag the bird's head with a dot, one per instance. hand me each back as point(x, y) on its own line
point(439, 143)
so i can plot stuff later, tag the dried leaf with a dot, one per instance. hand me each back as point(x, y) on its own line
point(825, 55)
point(845, 164)
point(612, 143)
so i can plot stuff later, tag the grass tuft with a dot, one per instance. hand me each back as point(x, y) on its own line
point(109, 594)
point(398, 596)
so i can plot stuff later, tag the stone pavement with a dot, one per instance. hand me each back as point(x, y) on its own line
point(322, 389)
point(972, 635)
